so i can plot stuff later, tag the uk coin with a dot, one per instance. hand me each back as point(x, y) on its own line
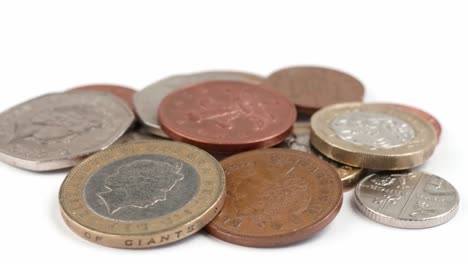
point(408, 199)
point(56, 131)
point(227, 116)
point(299, 140)
point(142, 194)
point(133, 136)
point(373, 136)
point(276, 197)
point(147, 100)
point(312, 88)
point(124, 93)
point(424, 115)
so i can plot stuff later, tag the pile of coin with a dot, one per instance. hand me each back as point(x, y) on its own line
point(256, 161)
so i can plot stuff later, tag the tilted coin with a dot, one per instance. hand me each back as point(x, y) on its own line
point(373, 136)
point(407, 199)
point(147, 100)
point(134, 136)
point(424, 115)
point(143, 194)
point(299, 140)
point(124, 93)
point(56, 131)
point(276, 197)
point(227, 116)
point(312, 88)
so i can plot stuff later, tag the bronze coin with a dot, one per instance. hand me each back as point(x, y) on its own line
point(227, 116)
point(124, 93)
point(276, 197)
point(424, 115)
point(312, 88)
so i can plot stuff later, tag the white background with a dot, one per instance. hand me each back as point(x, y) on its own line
point(411, 52)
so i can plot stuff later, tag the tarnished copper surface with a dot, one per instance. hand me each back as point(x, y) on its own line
point(276, 197)
point(124, 93)
point(227, 116)
point(312, 88)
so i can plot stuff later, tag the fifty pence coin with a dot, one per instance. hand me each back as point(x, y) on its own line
point(142, 194)
point(56, 131)
point(373, 136)
point(312, 88)
point(227, 116)
point(276, 197)
point(124, 93)
point(147, 100)
point(424, 115)
point(408, 199)
point(299, 140)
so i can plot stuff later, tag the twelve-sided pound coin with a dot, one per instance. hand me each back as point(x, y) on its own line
point(56, 131)
point(143, 194)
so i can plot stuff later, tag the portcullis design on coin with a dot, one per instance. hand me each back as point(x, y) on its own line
point(276, 197)
point(142, 194)
point(227, 116)
point(407, 199)
point(56, 131)
point(373, 136)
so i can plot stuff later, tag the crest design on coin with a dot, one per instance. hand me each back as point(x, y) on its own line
point(372, 129)
point(143, 182)
point(276, 197)
point(147, 100)
point(408, 199)
point(142, 194)
point(227, 116)
point(57, 130)
point(373, 136)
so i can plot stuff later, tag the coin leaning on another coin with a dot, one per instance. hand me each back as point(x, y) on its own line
point(142, 194)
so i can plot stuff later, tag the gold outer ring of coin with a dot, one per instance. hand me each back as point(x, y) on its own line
point(349, 176)
point(406, 156)
point(183, 222)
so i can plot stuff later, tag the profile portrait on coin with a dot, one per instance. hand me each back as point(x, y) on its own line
point(140, 184)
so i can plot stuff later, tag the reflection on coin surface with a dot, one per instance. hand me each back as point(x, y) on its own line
point(408, 199)
point(374, 136)
point(312, 88)
point(227, 116)
point(56, 131)
point(299, 140)
point(147, 100)
point(124, 93)
point(142, 194)
point(424, 115)
point(276, 197)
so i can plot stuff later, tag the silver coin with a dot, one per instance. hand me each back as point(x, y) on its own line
point(409, 199)
point(147, 100)
point(57, 130)
point(134, 136)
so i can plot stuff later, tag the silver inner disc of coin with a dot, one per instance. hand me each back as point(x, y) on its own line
point(141, 187)
point(373, 129)
point(407, 199)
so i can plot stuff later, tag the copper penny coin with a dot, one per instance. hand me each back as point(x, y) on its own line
point(227, 116)
point(312, 88)
point(276, 197)
point(124, 93)
point(424, 115)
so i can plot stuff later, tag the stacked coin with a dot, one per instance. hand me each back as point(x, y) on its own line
point(289, 144)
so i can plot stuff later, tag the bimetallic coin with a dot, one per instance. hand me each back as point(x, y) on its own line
point(299, 140)
point(143, 194)
point(373, 136)
point(312, 88)
point(227, 116)
point(424, 115)
point(124, 93)
point(407, 199)
point(276, 197)
point(147, 100)
point(56, 131)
